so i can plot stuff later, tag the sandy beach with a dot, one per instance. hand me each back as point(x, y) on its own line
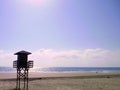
point(64, 81)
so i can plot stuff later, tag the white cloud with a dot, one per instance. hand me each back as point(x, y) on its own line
point(6, 58)
point(81, 58)
point(87, 57)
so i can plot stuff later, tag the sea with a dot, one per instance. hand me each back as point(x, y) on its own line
point(66, 69)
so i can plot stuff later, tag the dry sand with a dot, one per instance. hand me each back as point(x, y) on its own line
point(64, 81)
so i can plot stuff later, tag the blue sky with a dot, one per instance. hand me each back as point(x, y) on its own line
point(60, 25)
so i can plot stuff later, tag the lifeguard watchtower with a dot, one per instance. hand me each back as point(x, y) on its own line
point(22, 64)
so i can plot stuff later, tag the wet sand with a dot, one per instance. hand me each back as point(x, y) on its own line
point(64, 81)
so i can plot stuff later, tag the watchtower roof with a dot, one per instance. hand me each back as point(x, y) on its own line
point(22, 52)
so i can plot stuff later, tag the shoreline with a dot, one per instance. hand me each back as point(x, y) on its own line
point(39, 75)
